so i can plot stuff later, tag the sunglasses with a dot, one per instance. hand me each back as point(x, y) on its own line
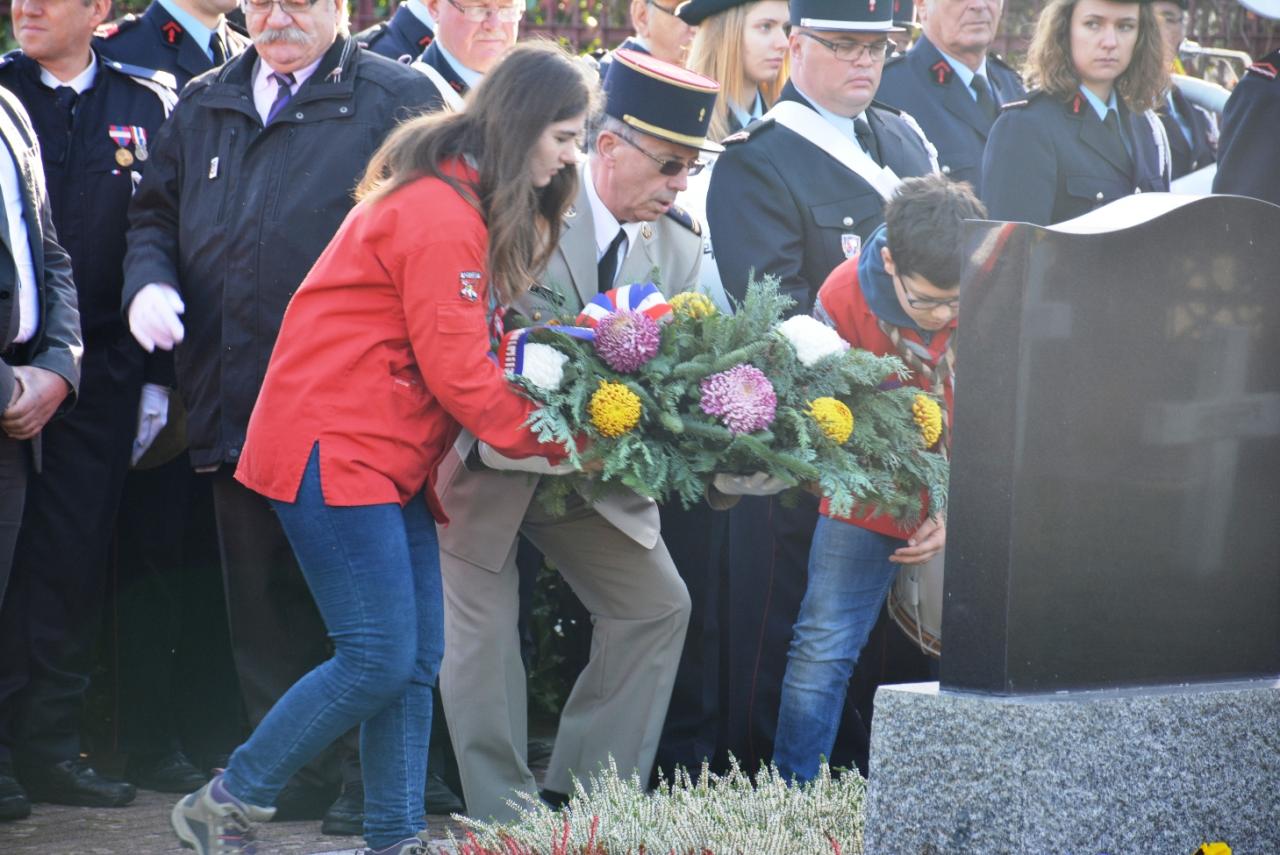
point(667, 167)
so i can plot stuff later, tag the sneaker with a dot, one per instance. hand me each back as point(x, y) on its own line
point(214, 822)
point(408, 846)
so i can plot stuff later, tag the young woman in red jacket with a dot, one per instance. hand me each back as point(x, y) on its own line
point(384, 355)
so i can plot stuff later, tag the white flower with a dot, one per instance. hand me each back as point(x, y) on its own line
point(812, 339)
point(544, 365)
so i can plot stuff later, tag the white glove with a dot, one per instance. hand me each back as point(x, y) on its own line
point(153, 415)
point(537, 465)
point(759, 484)
point(153, 317)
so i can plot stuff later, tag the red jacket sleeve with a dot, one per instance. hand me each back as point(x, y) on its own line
point(445, 309)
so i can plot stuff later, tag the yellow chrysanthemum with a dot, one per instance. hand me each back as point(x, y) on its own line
point(928, 416)
point(614, 409)
point(692, 305)
point(835, 419)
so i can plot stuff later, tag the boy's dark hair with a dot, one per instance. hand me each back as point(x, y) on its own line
point(923, 225)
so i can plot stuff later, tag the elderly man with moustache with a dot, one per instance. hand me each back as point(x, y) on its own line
point(248, 181)
point(622, 226)
point(952, 84)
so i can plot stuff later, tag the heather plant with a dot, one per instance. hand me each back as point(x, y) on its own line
point(712, 815)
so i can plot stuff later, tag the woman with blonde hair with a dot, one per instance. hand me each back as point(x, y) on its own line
point(743, 45)
point(383, 357)
point(1087, 134)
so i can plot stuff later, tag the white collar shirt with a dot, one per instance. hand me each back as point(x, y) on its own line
point(606, 224)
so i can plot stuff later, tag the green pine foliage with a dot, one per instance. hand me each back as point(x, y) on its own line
point(677, 449)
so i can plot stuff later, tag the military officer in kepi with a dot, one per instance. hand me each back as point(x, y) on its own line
point(403, 36)
point(793, 196)
point(182, 37)
point(1249, 150)
point(1088, 134)
point(622, 227)
point(952, 84)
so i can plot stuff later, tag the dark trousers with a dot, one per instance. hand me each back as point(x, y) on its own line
point(15, 461)
point(176, 681)
point(277, 634)
point(53, 607)
point(697, 539)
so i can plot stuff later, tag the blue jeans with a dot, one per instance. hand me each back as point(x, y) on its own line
point(374, 571)
point(849, 577)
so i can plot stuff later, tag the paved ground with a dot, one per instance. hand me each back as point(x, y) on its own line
point(143, 829)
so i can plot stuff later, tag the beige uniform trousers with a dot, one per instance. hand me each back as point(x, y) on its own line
point(639, 609)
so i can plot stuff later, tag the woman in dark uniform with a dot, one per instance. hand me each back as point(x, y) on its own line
point(1086, 135)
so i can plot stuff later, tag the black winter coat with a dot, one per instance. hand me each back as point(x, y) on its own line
point(233, 215)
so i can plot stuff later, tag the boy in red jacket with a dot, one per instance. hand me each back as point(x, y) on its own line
point(899, 296)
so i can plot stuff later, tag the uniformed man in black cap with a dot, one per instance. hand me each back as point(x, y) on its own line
point(951, 84)
point(406, 34)
point(793, 196)
point(1249, 150)
point(182, 37)
point(94, 120)
point(623, 229)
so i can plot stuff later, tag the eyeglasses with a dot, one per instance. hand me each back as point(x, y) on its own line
point(289, 7)
point(667, 167)
point(479, 14)
point(854, 51)
point(661, 8)
point(927, 304)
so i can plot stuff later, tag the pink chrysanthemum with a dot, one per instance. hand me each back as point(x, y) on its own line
point(742, 397)
point(627, 340)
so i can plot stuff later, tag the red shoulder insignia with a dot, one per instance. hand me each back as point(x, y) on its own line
point(106, 31)
point(424, 42)
point(1076, 102)
point(172, 30)
point(1266, 69)
point(942, 70)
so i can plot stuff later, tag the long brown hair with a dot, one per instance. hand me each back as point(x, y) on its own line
point(535, 85)
point(717, 52)
point(1050, 66)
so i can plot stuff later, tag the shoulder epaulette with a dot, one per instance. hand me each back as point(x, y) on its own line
point(137, 72)
point(888, 108)
point(684, 218)
point(9, 57)
point(367, 37)
point(114, 28)
point(748, 132)
point(895, 59)
point(1022, 102)
point(999, 60)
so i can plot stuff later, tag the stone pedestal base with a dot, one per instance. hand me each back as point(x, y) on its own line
point(1116, 772)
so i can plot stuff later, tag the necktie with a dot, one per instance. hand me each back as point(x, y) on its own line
point(217, 49)
point(65, 97)
point(283, 94)
point(1112, 121)
point(982, 89)
point(866, 139)
point(607, 266)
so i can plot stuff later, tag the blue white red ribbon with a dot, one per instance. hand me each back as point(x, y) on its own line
point(641, 297)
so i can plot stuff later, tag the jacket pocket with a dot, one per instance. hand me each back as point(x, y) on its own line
point(847, 215)
point(1093, 191)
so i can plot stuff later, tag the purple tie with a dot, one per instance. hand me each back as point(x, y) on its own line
point(283, 94)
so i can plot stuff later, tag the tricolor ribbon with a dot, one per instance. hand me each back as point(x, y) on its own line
point(122, 135)
point(511, 349)
point(641, 297)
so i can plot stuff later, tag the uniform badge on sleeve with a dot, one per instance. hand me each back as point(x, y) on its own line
point(469, 280)
point(850, 244)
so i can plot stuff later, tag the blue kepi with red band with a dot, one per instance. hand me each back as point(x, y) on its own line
point(661, 99)
point(851, 16)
